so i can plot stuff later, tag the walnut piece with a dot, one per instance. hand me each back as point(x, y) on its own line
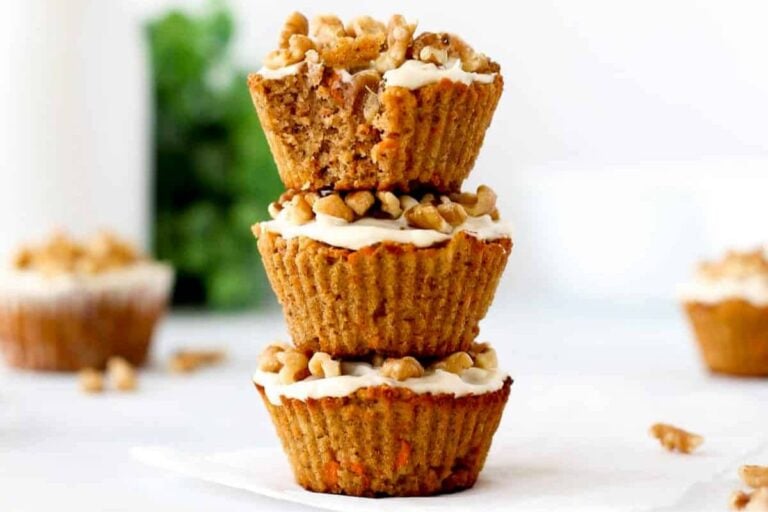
point(360, 201)
point(402, 368)
point(365, 25)
point(327, 28)
point(334, 206)
point(454, 363)
point(453, 213)
point(407, 202)
point(121, 374)
point(90, 380)
point(676, 439)
point(299, 211)
point(485, 204)
point(486, 359)
point(754, 476)
point(268, 361)
point(295, 24)
point(188, 360)
point(298, 46)
point(426, 216)
point(390, 204)
point(323, 365)
point(755, 501)
point(399, 36)
point(295, 366)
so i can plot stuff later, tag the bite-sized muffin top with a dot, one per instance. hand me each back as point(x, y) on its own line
point(736, 265)
point(368, 44)
point(61, 254)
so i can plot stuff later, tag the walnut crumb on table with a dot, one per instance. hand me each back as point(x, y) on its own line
point(676, 439)
point(755, 501)
point(90, 380)
point(189, 360)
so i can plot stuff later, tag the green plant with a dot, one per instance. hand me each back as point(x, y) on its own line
point(214, 175)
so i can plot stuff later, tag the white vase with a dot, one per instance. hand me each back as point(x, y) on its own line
point(74, 124)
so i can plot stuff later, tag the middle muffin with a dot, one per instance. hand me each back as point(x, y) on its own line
point(368, 272)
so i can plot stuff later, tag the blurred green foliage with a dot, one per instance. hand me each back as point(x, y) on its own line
point(214, 175)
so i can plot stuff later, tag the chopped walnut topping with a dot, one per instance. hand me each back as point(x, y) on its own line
point(737, 265)
point(676, 439)
point(401, 369)
point(295, 366)
point(453, 213)
point(390, 204)
point(360, 201)
point(754, 476)
point(61, 254)
point(485, 357)
point(443, 213)
point(268, 361)
point(323, 365)
point(300, 212)
point(296, 24)
point(334, 206)
point(426, 216)
point(90, 380)
point(454, 363)
point(366, 43)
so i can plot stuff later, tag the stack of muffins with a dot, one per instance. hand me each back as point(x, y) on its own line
point(383, 266)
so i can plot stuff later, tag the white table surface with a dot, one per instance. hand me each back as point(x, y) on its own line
point(59, 447)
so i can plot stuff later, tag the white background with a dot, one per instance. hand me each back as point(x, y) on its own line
point(631, 140)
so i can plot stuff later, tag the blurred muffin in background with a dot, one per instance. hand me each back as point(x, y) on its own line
point(727, 304)
point(66, 305)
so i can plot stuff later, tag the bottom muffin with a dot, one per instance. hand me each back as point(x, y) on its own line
point(384, 428)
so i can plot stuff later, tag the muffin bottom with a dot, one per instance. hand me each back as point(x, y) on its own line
point(382, 441)
point(78, 334)
point(732, 336)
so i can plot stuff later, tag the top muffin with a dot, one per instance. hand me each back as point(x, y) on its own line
point(371, 106)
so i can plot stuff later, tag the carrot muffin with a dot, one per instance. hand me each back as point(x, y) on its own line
point(727, 305)
point(384, 427)
point(370, 106)
point(66, 305)
point(367, 272)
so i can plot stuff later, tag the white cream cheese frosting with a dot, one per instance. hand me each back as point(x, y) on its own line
point(747, 284)
point(369, 231)
point(413, 74)
point(358, 375)
point(278, 73)
point(753, 289)
point(151, 278)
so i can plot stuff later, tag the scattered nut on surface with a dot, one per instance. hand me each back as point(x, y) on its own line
point(454, 363)
point(295, 366)
point(675, 439)
point(402, 368)
point(121, 374)
point(189, 360)
point(755, 501)
point(322, 365)
point(90, 380)
point(754, 476)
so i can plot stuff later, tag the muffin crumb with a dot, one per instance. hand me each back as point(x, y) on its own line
point(189, 360)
